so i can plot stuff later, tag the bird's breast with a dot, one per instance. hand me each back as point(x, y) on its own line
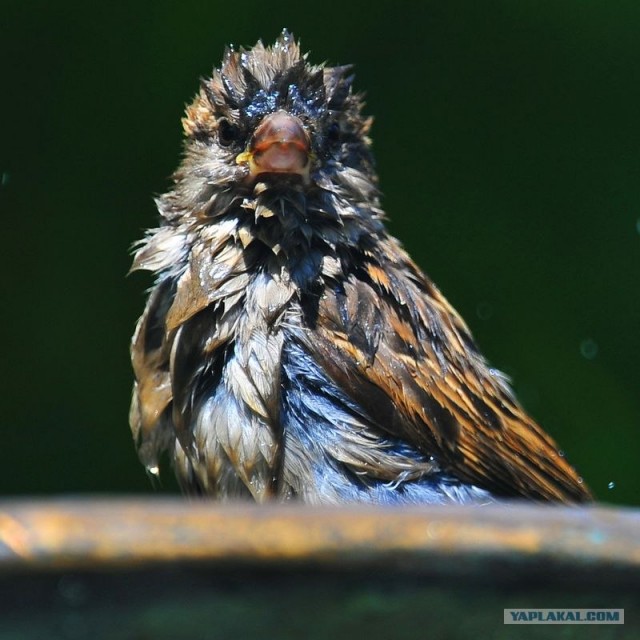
point(235, 428)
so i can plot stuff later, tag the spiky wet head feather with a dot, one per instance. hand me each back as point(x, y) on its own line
point(249, 85)
point(252, 83)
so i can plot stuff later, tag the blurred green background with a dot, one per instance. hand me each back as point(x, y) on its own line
point(507, 135)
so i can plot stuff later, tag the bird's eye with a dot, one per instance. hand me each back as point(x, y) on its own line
point(334, 133)
point(227, 132)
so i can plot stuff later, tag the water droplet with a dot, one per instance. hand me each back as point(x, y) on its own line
point(73, 590)
point(484, 310)
point(561, 453)
point(611, 485)
point(580, 480)
point(4, 181)
point(589, 349)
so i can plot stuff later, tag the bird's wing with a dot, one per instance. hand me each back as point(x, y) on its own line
point(392, 342)
point(150, 414)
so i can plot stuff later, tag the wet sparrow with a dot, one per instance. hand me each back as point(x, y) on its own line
point(290, 348)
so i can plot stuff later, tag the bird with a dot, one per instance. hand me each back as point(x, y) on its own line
point(290, 348)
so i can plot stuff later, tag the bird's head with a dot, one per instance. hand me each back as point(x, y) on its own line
point(267, 121)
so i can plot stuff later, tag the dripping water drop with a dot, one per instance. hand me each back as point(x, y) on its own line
point(589, 349)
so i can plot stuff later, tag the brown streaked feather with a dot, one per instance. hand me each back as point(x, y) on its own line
point(396, 346)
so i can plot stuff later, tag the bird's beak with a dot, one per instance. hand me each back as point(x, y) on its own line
point(280, 144)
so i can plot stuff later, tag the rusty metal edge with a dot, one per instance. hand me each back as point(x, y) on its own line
point(89, 533)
